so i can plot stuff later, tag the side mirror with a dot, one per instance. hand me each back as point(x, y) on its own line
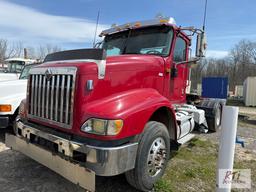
point(201, 45)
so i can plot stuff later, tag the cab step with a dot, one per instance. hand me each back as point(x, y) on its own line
point(186, 138)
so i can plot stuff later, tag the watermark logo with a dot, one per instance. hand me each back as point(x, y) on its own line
point(237, 178)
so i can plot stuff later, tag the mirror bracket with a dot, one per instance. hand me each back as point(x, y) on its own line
point(190, 62)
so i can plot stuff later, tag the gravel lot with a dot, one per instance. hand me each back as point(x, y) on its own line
point(19, 173)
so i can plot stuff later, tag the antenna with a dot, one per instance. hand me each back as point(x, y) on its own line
point(205, 12)
point(96, 28)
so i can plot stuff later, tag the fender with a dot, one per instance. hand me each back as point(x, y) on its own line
point(134, 107)
point(12, 92)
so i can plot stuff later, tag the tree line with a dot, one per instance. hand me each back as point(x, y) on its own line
point(237, 66)
point(16, 49)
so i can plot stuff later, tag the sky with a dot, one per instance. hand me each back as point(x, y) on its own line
point(71, 24)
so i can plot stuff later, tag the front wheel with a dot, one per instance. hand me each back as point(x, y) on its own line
point(152, 156)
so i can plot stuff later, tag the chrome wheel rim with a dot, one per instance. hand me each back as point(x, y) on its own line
point(156, 157)
point(218, 117)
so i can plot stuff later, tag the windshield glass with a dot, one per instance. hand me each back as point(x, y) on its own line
point(25, 72)
point(151, 40)
point(14, 66)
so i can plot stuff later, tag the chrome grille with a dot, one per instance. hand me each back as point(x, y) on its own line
point(50, 95)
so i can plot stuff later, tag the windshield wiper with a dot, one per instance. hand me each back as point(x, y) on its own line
point(132, 53)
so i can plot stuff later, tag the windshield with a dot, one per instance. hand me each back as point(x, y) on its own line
point(151, 40)
point(25, 72)
point(14, 66)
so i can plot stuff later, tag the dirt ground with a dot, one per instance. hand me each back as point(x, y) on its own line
point(19, 173)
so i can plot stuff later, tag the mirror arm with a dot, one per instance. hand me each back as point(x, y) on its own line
point(189, 62)
point(191, 29)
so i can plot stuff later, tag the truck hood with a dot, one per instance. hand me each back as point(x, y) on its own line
point(113, 63)
point(9, 76)
point(12, 93)
point(133, 62)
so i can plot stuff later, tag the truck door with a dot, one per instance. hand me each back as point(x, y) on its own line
point(178, 82)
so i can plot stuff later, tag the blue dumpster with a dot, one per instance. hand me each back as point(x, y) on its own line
point(215, 87)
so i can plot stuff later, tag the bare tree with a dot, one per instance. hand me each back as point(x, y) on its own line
point(243, 56)
point(240, 64)
point(3, 49)
point(16, 49)
point(42, 51)
point(196, 73)
point(9, 50)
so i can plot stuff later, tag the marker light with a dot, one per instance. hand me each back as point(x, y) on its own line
point(137, 24)
point(5, 108)
point(163, 21)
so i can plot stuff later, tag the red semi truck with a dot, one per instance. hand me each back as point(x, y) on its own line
point(119, 108)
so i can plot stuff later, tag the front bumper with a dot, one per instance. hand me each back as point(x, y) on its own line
point(73, 172)
point(4, 121)
point(104, 161)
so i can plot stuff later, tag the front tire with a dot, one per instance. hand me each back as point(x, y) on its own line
point(152, 156)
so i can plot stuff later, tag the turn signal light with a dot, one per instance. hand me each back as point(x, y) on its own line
point(5, 108)
point(102, 126)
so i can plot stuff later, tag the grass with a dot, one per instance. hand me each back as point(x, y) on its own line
point(244, 123)
point(247, 165)
point(235, 102)
point(246, 120)
point(193, 168)
point(188, 167)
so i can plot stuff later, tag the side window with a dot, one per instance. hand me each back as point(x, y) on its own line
point(114, 51)
point(179, 50)
point(19, 68)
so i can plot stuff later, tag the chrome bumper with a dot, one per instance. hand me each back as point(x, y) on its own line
point(104, 161)
point(73, 172)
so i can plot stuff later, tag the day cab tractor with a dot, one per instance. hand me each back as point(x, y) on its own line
point(119, 108)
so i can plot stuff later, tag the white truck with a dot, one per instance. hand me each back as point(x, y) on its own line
point(12, 68)
point(11, 94)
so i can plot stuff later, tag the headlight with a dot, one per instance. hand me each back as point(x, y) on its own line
point(5, 108)
point(102, 126)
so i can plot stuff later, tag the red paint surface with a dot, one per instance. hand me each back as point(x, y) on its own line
point(132, 90)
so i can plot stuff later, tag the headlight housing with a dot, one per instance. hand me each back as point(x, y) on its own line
point(102, 126)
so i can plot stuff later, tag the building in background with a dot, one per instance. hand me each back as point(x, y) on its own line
point(199, 89)
point(249, 91)
point(239, 90)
